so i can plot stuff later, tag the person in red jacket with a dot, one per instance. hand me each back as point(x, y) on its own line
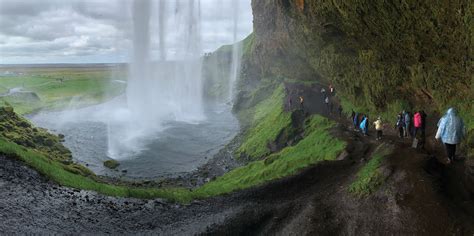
point(417, 122)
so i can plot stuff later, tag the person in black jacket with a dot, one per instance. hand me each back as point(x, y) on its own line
point(423, 128)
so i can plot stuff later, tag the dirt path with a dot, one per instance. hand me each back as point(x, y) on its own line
point(413, 200)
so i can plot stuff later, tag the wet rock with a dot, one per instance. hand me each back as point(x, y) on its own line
point(111, 164)
point(342, 156)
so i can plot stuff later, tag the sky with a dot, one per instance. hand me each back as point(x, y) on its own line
point(100, 31)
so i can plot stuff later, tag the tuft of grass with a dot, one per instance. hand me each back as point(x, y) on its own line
point(369, 177)
point(269, 119)
point(317, 145)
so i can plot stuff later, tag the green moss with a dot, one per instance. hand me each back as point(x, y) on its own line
point(18, 130)
point(268, 120)
point(248, 43)
point(369, 177)
point(111, 164)
point(317, 145)
point(64, 176)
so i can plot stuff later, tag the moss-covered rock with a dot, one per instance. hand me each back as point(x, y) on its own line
point(20, 131)
point(16, 129)
point(111, 164)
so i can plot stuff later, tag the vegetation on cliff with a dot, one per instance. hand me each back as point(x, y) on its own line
point(317, 145)
point(382, 57)
point(267, 120)
point(17, 130)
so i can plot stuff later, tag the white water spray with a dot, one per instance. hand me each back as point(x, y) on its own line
point(236, 51)
point(159, 90)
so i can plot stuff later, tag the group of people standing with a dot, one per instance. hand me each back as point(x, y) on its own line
point(361, 123)
point(327, 100)
point(451, 129)
point(408, 125)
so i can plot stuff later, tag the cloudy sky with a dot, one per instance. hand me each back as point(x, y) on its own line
point(100, 31)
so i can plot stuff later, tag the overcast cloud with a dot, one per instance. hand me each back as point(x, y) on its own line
point(98, 31)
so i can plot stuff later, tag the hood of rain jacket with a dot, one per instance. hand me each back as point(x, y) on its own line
point(451, 128)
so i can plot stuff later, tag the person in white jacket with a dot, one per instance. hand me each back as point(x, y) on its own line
point(451, 131)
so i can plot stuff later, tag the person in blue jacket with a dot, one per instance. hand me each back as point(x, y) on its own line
point(363, 125)
point(355, 121)
point(451, 131)
point(407, 120)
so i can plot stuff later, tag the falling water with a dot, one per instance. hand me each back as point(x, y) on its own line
point(236, 50)
point(160, 89)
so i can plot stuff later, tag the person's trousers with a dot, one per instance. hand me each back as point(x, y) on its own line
point(415, 131)
point(400, 132)
point(379, 134)
point(450, 150)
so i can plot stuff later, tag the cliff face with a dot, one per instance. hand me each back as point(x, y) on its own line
point(376, 53)
point(382, 56)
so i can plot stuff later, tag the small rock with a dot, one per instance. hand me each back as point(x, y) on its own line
point(342, 156)
point(111, 164)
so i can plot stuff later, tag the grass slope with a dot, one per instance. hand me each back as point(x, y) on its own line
point(369, 177)
point(268, 120)
point(317, 145)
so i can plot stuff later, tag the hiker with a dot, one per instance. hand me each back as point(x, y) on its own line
point(406, 127)
point(323, 91)
point(416, 123)
point(301, 102)
point(423, 128)
point(331, 89)
point(451, 131)
point(400, 124)
point(363, 125)
point(378, 127)
point(326, 100)
point(355, 121)
point(366, 131)
point(352, 115)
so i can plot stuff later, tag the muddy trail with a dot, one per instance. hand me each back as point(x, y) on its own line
point(418, 197)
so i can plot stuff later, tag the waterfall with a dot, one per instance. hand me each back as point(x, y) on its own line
point(236, 51)
point(159, 89)
point(165, 70)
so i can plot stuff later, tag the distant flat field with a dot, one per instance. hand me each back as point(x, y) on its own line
point(29, 88)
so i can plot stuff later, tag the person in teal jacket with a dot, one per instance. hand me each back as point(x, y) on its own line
point(451, 131)
point(363, 125)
